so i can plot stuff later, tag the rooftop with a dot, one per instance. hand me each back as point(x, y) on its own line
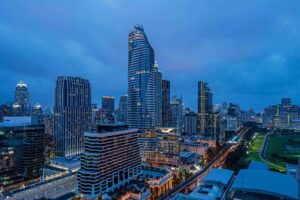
point(219, 175)
point(266, 182)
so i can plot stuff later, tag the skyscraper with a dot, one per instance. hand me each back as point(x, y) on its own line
point(158, 96)
point(141, 84)
point(21, 101)
point(72, 114)
point(205, 117)
point(166, 103)
point(108, 103)
point(122, 110)
point(177, 114)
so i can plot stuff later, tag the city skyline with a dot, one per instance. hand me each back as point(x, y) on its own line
point(256, 71)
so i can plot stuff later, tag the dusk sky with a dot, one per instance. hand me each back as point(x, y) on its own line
point(248, 51)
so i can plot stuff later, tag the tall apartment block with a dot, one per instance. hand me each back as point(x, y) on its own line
point(110, 159)
point(72, 114)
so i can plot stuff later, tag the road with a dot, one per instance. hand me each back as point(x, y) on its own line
point(217, 161)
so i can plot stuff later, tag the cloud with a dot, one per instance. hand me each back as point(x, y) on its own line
point(248, 51)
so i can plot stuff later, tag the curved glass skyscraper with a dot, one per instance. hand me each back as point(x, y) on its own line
point(141, 84)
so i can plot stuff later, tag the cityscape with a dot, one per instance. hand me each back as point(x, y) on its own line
point(150, 141)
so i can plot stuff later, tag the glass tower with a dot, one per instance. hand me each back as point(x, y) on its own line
point(141, 80)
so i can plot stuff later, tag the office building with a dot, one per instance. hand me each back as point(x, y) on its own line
point(108, 103)
point(110, 159)
point(22, 149)
point(122, 110)
point(141, 80)
point(166, 106)
point(72, 114)
point(205, 117)
point(21, 101)
point(190, 123)
point(177, 114)
point(158, 96)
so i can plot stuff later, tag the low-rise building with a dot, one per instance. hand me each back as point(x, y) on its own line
point(214, 186)
point(259, 183)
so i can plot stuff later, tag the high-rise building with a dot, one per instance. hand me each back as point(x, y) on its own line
point(122, 110)
point(141, 84)
point(21, 101)
point(108, 103)
point(72, 114)
point(158, 96)
point(166, 109)
point(205, 117)
point(190, 123)
point(38, 113)
point(177, 114)
point(22, 149)
point(286, 102)
point(110, 159)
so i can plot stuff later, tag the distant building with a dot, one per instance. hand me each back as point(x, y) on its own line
point(141, 80)
point(22, 150)
point(205, 114)
point(232, 123)
point(72, 114)
point(190, 123)
point(160, 147)
point(108, 103)
point(177, 114)
point(21, 101)
point(286, 102)
point(158, 96)
point(110, 159)
point(166, 106)
point(122, 110)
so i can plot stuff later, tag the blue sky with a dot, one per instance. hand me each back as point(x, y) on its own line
point(248, 51)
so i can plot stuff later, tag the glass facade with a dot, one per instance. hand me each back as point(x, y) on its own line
point(141, 80)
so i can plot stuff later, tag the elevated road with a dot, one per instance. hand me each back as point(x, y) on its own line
point(218, 161)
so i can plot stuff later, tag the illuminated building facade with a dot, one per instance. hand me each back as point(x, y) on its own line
point(160, 147)
point(110, 159)
point(22, 152)
point(72, 114)
point(141, 80)
point(21, 101)
point(205, 116)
